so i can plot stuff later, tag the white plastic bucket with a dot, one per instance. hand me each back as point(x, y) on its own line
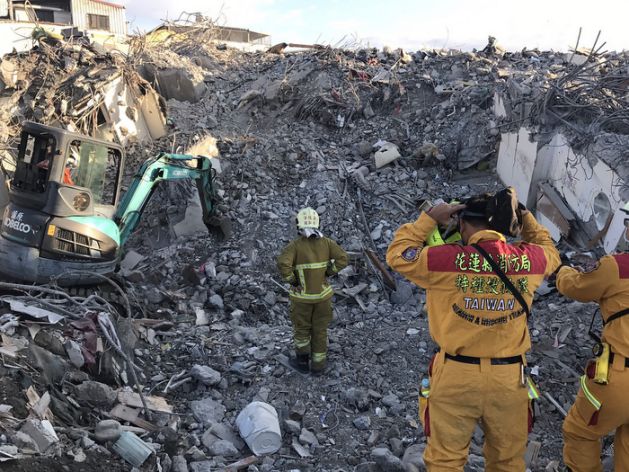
point(260, 428)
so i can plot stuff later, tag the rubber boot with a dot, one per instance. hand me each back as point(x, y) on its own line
point(301, 363)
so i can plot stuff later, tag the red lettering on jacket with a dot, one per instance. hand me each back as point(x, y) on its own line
point(623, 265)
point(520, 259)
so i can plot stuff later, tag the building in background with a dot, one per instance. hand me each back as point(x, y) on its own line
point(103, 22)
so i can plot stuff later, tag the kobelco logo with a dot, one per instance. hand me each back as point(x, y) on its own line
point(15, 222)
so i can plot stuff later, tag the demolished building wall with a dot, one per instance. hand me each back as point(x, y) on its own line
point(590, 188)
point(564, 148)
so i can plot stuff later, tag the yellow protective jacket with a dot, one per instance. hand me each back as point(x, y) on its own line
point(608, 285)
point(470, 311)
point(306, 262)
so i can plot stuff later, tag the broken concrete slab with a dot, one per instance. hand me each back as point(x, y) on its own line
point(207, 411)
point(222, 448)
point(73, 350)
point(192, 222)
point(179, 84)
point(131, 260)
point(302, 451)
point(41, 432)
point(308, 437)
point(153, 402)
point(387, 460)
point(205, 374)
point(96, 394)
point(226, 432)
point(387, 153)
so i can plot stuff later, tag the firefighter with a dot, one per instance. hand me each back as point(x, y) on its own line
point(304, 264)
point(600, 406)
point(479, 325)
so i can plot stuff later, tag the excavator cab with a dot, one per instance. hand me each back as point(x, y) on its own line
point(66, 173)
point(62, 198)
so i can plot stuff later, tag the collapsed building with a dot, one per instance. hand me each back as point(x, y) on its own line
point(568, 158)
point(73, 86)
point(361, 135)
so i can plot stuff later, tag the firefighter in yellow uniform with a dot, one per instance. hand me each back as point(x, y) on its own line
point(304, 264)
point(480, 328)
point(601, 408)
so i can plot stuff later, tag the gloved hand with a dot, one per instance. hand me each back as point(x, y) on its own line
point(503, 211)
point(443, 212)
point(522, 209)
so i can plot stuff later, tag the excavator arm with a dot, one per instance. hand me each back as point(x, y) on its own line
point(164, 167)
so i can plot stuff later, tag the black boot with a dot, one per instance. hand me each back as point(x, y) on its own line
point(301, 363)
point(318, 369)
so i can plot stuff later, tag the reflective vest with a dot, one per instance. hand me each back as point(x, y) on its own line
point(306, 262)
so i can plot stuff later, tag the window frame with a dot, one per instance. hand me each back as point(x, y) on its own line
point(97, 21)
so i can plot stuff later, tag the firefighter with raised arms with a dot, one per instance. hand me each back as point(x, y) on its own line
point(480, 326)
point(601, 405)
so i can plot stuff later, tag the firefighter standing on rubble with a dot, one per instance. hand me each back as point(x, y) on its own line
point(601, 405)
point(479, 326)
point(304, 264)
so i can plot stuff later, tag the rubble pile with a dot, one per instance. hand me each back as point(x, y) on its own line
point(584, 97)
point(72, 85)
point(361, 136)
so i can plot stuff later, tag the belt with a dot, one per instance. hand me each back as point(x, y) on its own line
point(611, 359)
point(494, 360)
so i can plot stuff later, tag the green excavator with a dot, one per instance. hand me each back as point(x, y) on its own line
point(66, 218)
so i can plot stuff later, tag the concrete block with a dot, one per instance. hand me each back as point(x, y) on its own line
point(516, 163)
point(180, 85)
point(41, 432)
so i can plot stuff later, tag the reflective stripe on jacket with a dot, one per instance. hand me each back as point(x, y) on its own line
point(305, 262)
point(470, 310)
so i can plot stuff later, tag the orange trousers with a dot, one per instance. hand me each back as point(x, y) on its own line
point(461, 396)
point(598, 411)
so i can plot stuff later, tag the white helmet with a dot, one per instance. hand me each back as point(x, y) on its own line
point(307, 218)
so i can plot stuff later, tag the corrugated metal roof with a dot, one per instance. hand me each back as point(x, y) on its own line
point(109, 4)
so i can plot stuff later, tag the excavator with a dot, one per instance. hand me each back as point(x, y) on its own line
point(66, 217)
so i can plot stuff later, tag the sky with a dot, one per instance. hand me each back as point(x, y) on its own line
point(410, 24)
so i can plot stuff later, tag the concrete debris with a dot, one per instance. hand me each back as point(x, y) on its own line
point(107, 430)
point(207, 411)
point(302, 451)
point(385, 154)
point(99, 88)
point(95, 394)
point(362, 423)
point(41, 433)
point(74, 353)
point(386, 460)
point(205, 374)
point(308, 438)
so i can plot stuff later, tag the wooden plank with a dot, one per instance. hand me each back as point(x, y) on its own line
point(39, 405)
point(131, 415)
point(153, 402)
point(242, 464)
point(386, 276)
